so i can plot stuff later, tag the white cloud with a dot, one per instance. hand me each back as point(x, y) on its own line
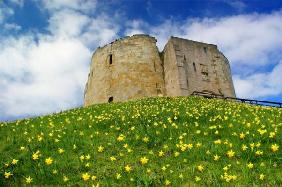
point(44, 76)
point(43, 73)
point(67, 23)
point(237, 4)
point(100, 31)
point(245, 39)
point(264, 84)
point(57, 5)
point(5, 12)
point(12, 27)
point(136, 27)
point(92, 31)
point(18, 2)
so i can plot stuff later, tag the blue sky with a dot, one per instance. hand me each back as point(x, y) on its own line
point(46, 46)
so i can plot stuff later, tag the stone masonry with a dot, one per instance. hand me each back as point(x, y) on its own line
point(132, 68)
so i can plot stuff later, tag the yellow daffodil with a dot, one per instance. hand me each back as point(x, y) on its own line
point(7, 174)
point(197, 179)
point(87, 157)
point(190, 146)
point(258, 144)
point(120, 138)
point(48, 161)
point(258, 153)
point(146, 139)
point(216, 157)
point(100, 149)
point(217, 141)
point(112, 158)
point(242, 135)
point(167, 182)
point(65, 178)
point(14, 161)
point(28, 180)
point(118, 176)
point(176, 154)
point(262, 131)
point(261, 177)
point(272, 134)
point(36, 155)
point(60, 150)
point(244, 147)
point(274, 147)
point(85, 176)
point(200, 168)
point(144, 160)
point(230, 153)
point(82, 157)
point(55, 171)
point(127, 168)
point(161, 153)
point(250, 165)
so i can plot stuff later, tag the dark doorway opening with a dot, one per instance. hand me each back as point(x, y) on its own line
point(111, 59)
point(111, 99)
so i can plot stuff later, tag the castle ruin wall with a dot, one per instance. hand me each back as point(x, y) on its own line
point(132, 68)
point(126, 69)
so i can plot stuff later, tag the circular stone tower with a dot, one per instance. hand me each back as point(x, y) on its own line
point(128, 68)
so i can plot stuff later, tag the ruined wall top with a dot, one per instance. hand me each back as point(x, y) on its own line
point(177, 39)
point(133, 37)
point(126, 39)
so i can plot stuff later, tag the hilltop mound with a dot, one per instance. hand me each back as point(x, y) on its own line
point(151, 142)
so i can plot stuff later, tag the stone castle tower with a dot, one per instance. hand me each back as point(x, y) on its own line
point(132, 67)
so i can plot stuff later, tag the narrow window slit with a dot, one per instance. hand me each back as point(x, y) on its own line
point(111, 59)
point(194, 66)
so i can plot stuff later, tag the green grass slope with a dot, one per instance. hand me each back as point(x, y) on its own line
point(183, 141)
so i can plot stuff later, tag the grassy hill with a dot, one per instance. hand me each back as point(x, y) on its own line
point(183, 141)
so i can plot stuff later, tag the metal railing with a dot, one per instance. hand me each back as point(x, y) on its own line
point(249, 101)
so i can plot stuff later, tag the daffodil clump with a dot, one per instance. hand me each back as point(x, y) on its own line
point(182, 141)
